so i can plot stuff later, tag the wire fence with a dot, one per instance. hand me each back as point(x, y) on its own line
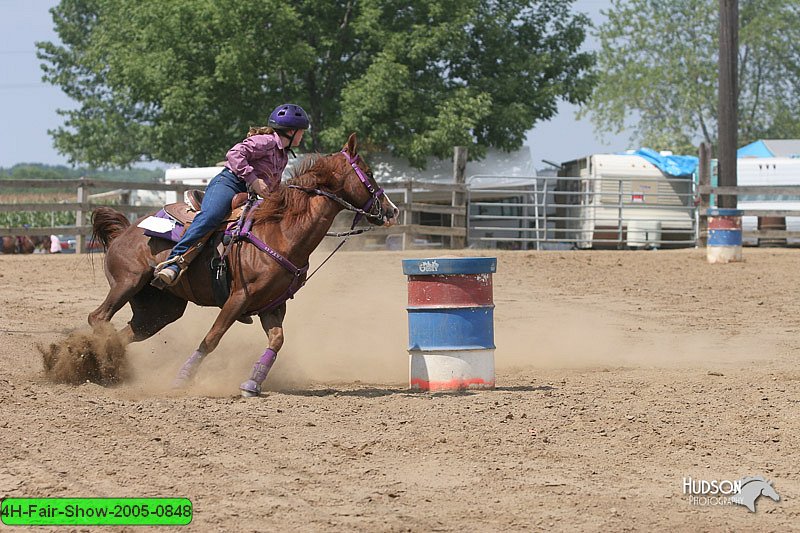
point(580, 212)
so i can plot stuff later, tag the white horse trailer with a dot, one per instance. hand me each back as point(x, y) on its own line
point(199, 177)
point(614, 200)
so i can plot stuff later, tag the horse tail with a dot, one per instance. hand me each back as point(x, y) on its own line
point(107, 223)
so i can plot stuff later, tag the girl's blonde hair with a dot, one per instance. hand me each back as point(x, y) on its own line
point(259, 130)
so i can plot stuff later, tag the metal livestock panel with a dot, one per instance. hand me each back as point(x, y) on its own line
point(583, 212)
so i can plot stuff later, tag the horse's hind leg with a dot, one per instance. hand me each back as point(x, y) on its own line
point(118, 295)
point(272, 323)
point(152, 310)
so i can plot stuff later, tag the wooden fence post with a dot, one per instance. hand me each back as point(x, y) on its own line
point(408, 214)
point(125, 199)
point(80, 217)
point(459, 197)
point(703, 180)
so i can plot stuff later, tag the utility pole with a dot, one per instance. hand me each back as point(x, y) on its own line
point(459, 197)
point(728, 98)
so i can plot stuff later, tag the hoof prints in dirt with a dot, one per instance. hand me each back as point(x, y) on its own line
point(97, 356)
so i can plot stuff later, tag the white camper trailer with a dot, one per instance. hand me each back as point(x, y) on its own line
point(614, 200)
point(199, 177)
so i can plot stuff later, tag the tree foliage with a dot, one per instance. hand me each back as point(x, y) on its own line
point(181, 81)
point(658, 66)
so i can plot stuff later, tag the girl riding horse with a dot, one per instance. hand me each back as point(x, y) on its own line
point(268, 263)
point(258, 163)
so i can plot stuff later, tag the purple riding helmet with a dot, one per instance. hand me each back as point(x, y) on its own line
point(288, 117)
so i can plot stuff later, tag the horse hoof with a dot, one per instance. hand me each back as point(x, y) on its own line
point(250, 389)
point(180, 384)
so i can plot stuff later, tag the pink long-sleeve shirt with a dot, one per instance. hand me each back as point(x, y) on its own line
point(258, 157)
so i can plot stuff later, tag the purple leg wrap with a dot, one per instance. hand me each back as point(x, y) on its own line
point(260, 370)
point(188, 370)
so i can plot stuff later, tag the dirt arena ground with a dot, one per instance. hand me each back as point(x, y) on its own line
point(619, 374)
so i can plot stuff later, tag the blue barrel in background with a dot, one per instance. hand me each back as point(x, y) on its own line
point(724, 235)
point(450, 323)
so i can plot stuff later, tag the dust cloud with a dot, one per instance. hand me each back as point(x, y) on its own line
point(96, 355)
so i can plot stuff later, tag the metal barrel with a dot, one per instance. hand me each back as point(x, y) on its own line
point(450, 323)
point(724, 235)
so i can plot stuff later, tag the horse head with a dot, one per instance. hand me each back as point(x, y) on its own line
point(360, 189)
point(752, 488)
point(769, 491)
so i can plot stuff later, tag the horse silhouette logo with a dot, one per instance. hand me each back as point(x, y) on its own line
point(752, 488)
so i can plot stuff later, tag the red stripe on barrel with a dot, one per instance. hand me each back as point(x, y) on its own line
point(724, 222)
point(453, 384)
point(450, 290)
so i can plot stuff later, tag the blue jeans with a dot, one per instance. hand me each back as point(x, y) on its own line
point(216, 206)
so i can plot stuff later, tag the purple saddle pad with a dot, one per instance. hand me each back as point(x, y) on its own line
point(177, 229)
point(173, 235)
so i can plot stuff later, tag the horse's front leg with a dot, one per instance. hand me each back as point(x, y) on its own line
point(230, 312)
point(272, 322)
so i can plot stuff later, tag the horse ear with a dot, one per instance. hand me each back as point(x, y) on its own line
point(352, 145)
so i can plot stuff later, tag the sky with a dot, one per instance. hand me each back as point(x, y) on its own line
point(28, 106)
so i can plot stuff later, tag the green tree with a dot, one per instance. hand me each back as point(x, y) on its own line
point(181, 81)
point(658, 67)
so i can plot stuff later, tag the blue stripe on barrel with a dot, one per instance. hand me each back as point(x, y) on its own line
point(724, 237)
point(723, 212)
point(463, 328)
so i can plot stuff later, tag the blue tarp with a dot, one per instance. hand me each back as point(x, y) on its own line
point(755, 149)
point(679, 166)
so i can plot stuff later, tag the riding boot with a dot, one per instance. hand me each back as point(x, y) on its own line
point(188, 370)
point(252, 387)
point(168, 275)
point(161, 279)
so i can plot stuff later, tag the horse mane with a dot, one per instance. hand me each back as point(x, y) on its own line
point(315, 171)
point(745, 480)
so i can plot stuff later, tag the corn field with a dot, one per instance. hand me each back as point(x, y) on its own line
point(37, 219)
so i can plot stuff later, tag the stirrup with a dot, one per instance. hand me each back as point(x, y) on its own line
point(165, 279)
point(159, 282)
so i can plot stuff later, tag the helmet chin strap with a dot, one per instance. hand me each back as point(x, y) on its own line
point(291, 141)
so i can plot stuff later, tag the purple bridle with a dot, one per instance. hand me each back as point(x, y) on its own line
point(375, 193)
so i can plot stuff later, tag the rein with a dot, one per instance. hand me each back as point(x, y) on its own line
point(344, 203)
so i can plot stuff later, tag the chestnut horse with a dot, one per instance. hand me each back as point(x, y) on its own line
point(288, 226)
point(19, 245)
